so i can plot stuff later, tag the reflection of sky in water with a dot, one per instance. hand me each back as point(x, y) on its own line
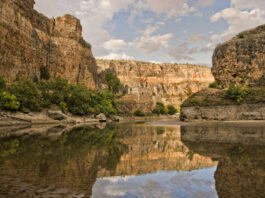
point(165, 184)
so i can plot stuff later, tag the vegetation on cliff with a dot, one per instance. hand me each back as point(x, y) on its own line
point(234, 95)
point(25, 94)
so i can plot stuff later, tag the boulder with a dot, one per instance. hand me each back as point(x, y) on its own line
point(56, 115)
point(101, 117)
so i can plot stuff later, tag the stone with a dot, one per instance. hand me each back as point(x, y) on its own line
point(56, 114)
point(241, 60)
point(101, 117)
point(30, 40)
point(115, 118)
point(145, 83)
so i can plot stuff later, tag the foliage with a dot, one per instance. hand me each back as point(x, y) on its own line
point(27, 93)
point(171, 110)
point(237, 93)
point(113, 83)
point(160, 108)
point(160, 131)
point(2, 83)
point(77, 99)
point(9, 101)
point(240, 35)
point(139, 113)
point(44, 73)
point(213, 85)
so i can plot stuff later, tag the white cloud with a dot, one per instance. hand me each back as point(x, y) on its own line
point(115, 44)
point(114, 56)
point(149, 44)
point(240, 17)
point(181, 52)
point(199, 38)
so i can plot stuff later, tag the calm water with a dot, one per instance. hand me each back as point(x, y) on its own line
point(133, 160)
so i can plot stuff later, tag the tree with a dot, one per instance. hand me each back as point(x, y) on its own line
point(113, 83)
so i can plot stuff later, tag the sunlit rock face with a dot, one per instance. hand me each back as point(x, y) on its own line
point(29, 40)
point(241, 60)
point(147, 83)
point(240, 171)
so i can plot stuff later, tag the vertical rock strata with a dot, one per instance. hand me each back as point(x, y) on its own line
point(29, 40)
point(148, 83)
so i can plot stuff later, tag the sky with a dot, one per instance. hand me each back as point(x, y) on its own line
point(162, 31)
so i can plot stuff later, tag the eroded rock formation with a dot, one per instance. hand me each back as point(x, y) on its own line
point(148, 83)
point(29, 40)
point(241, 60)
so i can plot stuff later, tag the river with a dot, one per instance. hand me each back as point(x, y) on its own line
point(145, 160)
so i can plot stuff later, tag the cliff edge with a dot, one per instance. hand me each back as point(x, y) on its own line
point(31, 41)
point(238, 92)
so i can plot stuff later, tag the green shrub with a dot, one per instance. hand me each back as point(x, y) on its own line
point(171, 109)
point(113, 83)
point(2, 83)
point(160, 131)
point(237, 93)
point(160, 108)
point(139, 113)
point(44, 73)
point(213, 85)
point(27, 93)
point(9, 101)
point(240, 35)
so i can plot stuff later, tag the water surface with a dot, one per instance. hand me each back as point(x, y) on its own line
point(133, 160)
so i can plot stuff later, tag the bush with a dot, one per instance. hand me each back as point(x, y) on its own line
point(171, 109)
point(237, 93)
point(27, 93)
point(240, 35)
point(9, 101)
point(113, 83)
point(213, 85)
point(159, 108)
point(139, 113)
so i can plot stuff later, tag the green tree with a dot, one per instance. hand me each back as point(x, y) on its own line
point(9, 101)
point(113, 83)
point(44, 73)
point(237, 93)
point(2, 83)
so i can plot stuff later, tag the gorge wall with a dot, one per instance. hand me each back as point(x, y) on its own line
point(147, 83)
point(241, 62)
point(29, 40)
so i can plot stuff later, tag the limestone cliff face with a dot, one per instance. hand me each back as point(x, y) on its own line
point(241, 60)
point(147, 83)
point(29, 40)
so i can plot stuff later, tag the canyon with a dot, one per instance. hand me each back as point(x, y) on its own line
point(31, 44)
point(145, 83)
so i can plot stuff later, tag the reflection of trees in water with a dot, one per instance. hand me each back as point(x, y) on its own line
point(70, 161)
point(241, 168)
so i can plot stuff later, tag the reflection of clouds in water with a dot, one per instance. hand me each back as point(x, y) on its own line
point(197, 184)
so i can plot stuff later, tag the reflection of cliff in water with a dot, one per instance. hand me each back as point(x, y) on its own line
point(68, 163)
point(240, 154)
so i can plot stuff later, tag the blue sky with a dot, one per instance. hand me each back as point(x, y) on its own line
point(181, 31)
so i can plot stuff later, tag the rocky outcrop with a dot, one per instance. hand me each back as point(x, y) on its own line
point(229, 112)
point(30, 41)
point(241, 60)
point(147, 83)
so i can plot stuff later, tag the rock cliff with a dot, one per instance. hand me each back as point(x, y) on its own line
point(147, 83)
point(29, 41)
point(241, 60)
